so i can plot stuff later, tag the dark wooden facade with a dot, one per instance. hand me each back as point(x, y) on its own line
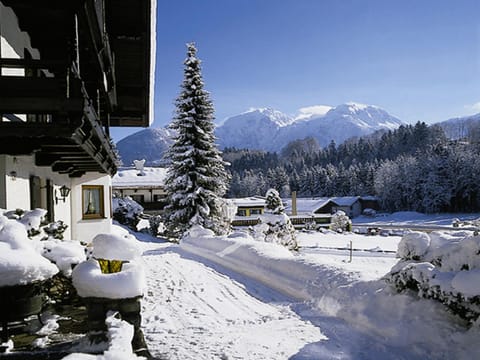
point(94, 71)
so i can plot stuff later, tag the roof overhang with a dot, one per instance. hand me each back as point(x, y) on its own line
point(131, 27)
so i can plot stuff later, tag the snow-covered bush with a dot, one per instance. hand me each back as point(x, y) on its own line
point(275, 226)
point(340, 222)
point(441, 266)
point(154, 223)
point(126, 211)
point(55, 230)
point(64, 253)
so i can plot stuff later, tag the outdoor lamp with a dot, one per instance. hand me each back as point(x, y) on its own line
point(64, 192)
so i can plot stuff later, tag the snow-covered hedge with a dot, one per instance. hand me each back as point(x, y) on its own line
point(126, 211)
point(276, 229)
point(441, 266)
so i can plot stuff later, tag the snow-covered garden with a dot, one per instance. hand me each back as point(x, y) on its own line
point(238, 296)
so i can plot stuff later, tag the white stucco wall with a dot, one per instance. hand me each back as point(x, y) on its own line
point(86, 229)
point(15, 190)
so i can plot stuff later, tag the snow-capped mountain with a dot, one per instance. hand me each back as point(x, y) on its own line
point(251, 129)
point(267, 129)
point(149, 144)
point(270, 130)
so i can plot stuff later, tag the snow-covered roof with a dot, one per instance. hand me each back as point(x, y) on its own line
point(306, 205)
point(249, 201)
point(345, 200)
point(133, 178)
point(310, 205)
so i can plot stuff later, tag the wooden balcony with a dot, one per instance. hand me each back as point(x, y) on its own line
point(60, 127)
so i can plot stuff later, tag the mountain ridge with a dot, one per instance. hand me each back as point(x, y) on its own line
point(268, 129)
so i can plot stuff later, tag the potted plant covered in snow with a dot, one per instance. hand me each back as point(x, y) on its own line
point(275, 226)
point(112, 279)
point(23, 270)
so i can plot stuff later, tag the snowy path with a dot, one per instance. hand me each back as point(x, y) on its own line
point(197, 309)
point(193, 312)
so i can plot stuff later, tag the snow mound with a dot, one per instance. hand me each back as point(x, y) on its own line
point(413, 245)
point(239, 252)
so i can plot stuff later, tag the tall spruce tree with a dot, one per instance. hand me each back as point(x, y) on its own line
point(196, 178)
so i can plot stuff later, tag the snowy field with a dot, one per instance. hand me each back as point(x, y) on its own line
point(235, 298)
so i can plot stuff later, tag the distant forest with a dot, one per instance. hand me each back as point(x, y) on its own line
point(415, 167)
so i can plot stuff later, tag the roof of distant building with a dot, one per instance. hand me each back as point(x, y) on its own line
point(310, 205)
point(251, 201)
point(133, 178)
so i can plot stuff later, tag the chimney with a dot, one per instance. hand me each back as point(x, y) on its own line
point(294, 203)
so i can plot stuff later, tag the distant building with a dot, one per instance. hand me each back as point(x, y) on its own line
point(250, 206)
point(326, 205)
point(145, 185)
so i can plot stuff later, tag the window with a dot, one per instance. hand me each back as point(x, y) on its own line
point(92, 202)
point(256, 211)
point(242, 212)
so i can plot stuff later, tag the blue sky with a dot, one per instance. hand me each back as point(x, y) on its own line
point(417, 59)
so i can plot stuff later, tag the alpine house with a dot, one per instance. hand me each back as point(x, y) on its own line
point(69, 70)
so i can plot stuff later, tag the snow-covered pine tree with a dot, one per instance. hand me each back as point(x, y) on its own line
point(196, 178)
point(275, 226)
point(273, 202)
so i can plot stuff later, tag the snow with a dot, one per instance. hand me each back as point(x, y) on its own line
point(252, 201)
point(204, 314)
point(115, 247)
point(413, 245)
point(23, 266)
point(325, 289)
point(120, 334)
point(146, 177)
point(91, 282)
point(467, 282)
point(20, 263)
point(231, 297)
point(64, 253)
point(32, 218)
point(312, 111)
point(270, 130)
